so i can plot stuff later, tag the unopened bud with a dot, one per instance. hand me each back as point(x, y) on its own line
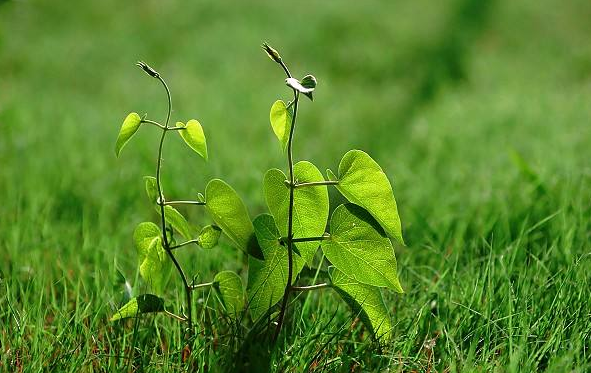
point(272, 53)
point(150, 71)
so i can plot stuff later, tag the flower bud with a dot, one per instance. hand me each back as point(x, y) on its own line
point(150, 71)
point(272, 53)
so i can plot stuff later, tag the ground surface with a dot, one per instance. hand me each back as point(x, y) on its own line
point(480, 113)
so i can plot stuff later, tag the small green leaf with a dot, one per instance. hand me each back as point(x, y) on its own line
point(306, 86)
point(194, 137)
point(172, 215)
point(228, 211)
point(359, 247)
point(231, 292)
point(267, 278)
point(129, 127)
point(281, 122)
point(153, 260)
point(151, 188)
point(310, 211)
point(366, 302)
point(209, 236)
point(362, 181)
point(145, 303)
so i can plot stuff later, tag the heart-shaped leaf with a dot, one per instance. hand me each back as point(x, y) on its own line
point(366, 302)
point(267, 278)
point(362, 181)
point(310, 207)
point(194, 137)
point(145, 303)
point(229, 288)
point(153, 262)
point(359, 247)
point(129, 127)
point(229, 212)
point(209, 236)
point(281, 120)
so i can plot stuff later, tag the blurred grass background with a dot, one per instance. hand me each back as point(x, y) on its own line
point(479, 112)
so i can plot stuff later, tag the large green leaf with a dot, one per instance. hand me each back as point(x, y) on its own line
point(194, 136)
point(228, 211)
point(229, 287)
point(359, 247)
point(153, 261)
point(310, 211)
point(267, 278)
point(129, 127)
point(362, 181)
point(281, 122)
point(145, 303)
point(365, 301)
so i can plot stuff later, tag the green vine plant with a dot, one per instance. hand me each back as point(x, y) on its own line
point(357, 256)
point(156, 244)
point(359, 253)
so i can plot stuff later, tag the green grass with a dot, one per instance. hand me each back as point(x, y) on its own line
point(479, 115)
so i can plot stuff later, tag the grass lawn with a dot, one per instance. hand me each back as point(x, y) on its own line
point(479, 112)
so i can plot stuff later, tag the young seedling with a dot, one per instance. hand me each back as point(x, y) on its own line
point(360, 254)
point(156, 244)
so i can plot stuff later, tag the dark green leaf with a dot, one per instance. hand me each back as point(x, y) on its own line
point(366, 302)
point(129, 127)
point(310, 212)
point(229, 287)
point(359, 247)
point(229, 213)
point(194, 137)
point(362, 181)
point(145, 303)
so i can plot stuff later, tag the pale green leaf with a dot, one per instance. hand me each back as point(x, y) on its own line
point(267, 278)
point(145, 303)
point(194, 136)
point(310, 211)
point(366, 302)
point(151, 189)
point(209, 236)
point(281, 122)
point(129, 127)
point(231, 292)
point(153, 261)
point(172, 215)
point(229, 212)
point(359, 247)
point(362, 181)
